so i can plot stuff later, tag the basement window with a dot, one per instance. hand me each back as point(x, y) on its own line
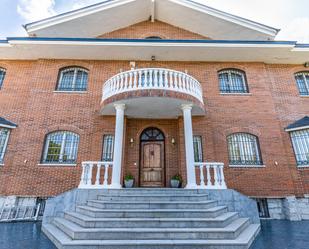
point(262, 206)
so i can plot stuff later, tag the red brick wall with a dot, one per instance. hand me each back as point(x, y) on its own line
point(28, 99)
point(145, 29)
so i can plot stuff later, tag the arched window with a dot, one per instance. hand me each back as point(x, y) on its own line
point(244, 149)
point(73, 79)
point(152, 134)
point(2, 75)
point(302, 80)
point(232, 81)
point(61, 147)
point(300, 141)
point(153, 38)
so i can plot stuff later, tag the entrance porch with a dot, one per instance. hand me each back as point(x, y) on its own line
point(153, 138)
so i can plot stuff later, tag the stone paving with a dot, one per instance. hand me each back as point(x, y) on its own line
point(275, 234)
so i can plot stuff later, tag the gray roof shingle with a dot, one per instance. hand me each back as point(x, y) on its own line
point(7, 123)
point(299, 123)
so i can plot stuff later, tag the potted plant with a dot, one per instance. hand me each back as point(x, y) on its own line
point(128, 181)
point(176, 181)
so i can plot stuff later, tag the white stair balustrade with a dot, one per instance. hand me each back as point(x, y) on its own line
point(87, 181)
point(152, 78)
point(214, 177)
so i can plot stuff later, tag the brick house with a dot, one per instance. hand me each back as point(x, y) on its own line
point(183, 85)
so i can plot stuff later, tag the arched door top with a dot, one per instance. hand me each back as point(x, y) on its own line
point(152, 134)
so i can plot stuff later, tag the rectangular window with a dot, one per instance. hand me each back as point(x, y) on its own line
point(108, 148)
point(300, 141)
point(198, 149)
point(4, 137)
point(302, 80)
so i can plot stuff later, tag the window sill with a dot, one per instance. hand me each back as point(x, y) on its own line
point(71, 92)
point(299, 166)
point(247, 166)
point(1, 164)
point(237, 94)
point(304, 96)
point(57, 165)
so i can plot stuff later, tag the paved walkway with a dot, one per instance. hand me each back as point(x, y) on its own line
point(275, 235)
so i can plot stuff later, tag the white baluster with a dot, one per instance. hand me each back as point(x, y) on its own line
point(105, 182)
point(82, 178)
point(202, 180)
point(216, 183)
point(166, 83)
point(209, 184)
point(97, 180)
point(175, 81)
point(223, 184)
point(118, 83)
point(161, 78)
point(135, 80)
point(125, 84)
point(140, 79)
point(150, 78)
point(181, 83)
point(155, 83)
point(130, 80)
point(146, 78)
point(171, 80)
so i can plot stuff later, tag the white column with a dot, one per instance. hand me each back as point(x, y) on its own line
point(118, 146)
point(187, 119)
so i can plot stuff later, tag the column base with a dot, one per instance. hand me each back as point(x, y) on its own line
point(191, 186)
point(115, 186)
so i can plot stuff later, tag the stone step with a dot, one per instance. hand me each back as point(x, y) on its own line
point(63, 241)
point(152, 213)
point(154, 197)
point(77, 232)
point(152, 204)
point(150, 191)
point(91, 222)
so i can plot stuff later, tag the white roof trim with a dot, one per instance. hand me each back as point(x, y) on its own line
point(141, 11)
point(7, 126)
point(298, 128)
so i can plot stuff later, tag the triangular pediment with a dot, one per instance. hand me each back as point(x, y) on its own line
point(109, 16)
point(147, 29)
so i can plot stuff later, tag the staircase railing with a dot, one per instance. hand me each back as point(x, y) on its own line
point(211, 175)
point(101, 178)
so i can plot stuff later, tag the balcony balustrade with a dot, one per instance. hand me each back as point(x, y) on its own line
point(152, 78)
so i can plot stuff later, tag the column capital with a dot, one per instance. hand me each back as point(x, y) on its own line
point(186, 106)
point(120, 106)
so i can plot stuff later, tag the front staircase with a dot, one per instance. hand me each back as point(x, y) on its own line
point(151, 219)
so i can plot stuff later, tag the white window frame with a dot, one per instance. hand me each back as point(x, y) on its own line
point(303, 74)
point(199, 148)
point(2, 153)
point(2, 70)
point(106, 147)
point(300, 145)
point(235, 71)
point(62, 149)
point(69, 69)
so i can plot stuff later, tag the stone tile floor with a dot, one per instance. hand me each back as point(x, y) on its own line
point(275, 234)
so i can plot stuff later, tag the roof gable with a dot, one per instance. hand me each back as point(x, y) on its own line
point(111, 15)
point(299, 124)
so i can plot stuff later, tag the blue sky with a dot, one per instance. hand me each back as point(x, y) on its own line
point(291, 16)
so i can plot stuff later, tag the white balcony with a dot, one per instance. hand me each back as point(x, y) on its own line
point(152, 78)
point(152, 93)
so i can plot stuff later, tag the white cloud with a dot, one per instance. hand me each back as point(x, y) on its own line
point(33, 10)
point(295, 30)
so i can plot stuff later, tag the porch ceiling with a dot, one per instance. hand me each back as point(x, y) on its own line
point(153, 108)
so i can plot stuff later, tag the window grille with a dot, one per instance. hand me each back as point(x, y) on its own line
point(108, 148)
point(232, 81)
point(244, 149)
point(302, 80)
point(4, 137)
point(300, 141)
point(198, 149)
point(73, 79)
point(61, 147)
point(2, 75)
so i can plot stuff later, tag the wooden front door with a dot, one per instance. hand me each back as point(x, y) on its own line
point(152, 164)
